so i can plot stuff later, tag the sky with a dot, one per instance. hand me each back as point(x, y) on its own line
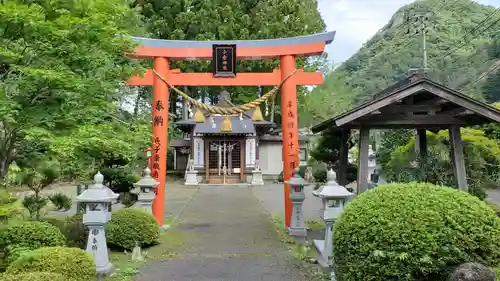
point(356, 21)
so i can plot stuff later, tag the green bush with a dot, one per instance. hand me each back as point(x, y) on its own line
point(7, 207)
point(73, 263)
point(76, 232)
point(32, 235)
point(119, 179)
point(413, 231)
point(130, 225)
point(319, 173)
point(34, 204)
point(33, 276)
point(482, 159)
point(13, 253)
point(61, 201)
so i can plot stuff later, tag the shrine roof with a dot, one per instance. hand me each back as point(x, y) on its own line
point(414, 102)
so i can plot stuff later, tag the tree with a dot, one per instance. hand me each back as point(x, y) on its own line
point(61, 63)
point(388, 56)
point(39, 174)
point(327, 151)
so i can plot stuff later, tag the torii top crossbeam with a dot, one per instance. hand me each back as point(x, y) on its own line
point(247, 49)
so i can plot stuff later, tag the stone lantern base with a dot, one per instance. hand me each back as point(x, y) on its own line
point(300, 234)
point(105, 270)
point(319, 246)
point(191, 178)
point(257, 178)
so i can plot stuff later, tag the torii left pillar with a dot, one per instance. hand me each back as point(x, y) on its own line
point(160, 136)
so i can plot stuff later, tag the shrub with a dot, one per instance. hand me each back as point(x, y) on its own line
point(61, 201)
point(32, 235)
point(413, 231)
point(7, 207)
point(481, 154)
point(76, 232)
point(34, 203)
point(319, 173)
point(130, 225)
point(33, 276)
point(13, 253)
point(73, 263)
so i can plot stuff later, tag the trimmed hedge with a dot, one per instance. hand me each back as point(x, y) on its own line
point(413, 231)
point(130, 225)
point(73, 263)
point(32, 235)
point(33, 276)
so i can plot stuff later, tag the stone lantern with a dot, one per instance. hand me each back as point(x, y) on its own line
point(145, 190)
point(333, 197)
point(297, 226)
point(97, 199)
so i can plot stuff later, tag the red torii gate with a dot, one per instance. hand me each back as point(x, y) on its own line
point(286, 49)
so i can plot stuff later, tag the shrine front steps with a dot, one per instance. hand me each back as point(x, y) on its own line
point(230, 179)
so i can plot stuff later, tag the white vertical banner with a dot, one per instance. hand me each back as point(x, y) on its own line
point(250, 152)
point(198, 152)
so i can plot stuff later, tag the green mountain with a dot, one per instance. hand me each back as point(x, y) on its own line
point(462, 46)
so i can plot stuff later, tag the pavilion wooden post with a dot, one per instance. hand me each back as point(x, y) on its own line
point(289, 127)
point(344, 157)
point(160, 132)
point(421, 142)
point(364, 143)
point(457, 156)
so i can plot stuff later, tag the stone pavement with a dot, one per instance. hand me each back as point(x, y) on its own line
point(271, 196)
point(230, 238)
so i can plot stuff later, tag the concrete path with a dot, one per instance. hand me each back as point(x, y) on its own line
point(271, 196)
point(231, 238)
point(494, 195)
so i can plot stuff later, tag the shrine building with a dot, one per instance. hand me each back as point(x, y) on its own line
point(230, 156)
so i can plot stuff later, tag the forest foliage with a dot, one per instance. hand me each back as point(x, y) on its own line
point(463, 53)
point(64, 102)
point(458, 55)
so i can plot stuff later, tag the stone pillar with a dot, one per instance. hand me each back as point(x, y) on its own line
point(297, 226)
point(97, 200)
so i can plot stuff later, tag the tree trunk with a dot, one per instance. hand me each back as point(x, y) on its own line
point(5, 161)
point(38, 207)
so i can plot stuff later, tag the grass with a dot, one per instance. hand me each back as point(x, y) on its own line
point(303, 253)
point(126, 269)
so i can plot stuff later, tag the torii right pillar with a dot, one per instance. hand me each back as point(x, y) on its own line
point(289, 125)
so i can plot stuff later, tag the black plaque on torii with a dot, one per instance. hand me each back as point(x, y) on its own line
point(224, 60)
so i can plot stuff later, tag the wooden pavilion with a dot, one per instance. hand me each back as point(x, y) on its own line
point(413, 103)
